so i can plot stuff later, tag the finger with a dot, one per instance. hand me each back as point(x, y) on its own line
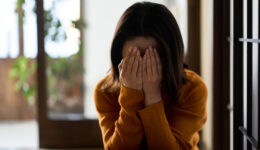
point(144, 66)
point(153, 62)
point(158, 62)
point(135, 65)
point(148, 63)
point(126, 60)
point(120, 65)
point(139, 72)
point(131, 60)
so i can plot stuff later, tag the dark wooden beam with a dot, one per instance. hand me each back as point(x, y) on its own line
point(20, 29)
point(193, 54)
point(221, 74)
point(238, 73)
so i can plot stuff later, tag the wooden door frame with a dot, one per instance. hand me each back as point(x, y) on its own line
point(221, 74)
point(59, 133)
point(238, 72)
point(192, 57)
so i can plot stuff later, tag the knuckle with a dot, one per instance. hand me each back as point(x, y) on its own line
point(123, 74)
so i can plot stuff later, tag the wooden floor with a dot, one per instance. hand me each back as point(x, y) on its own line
point(72, 149)
point(23, 135)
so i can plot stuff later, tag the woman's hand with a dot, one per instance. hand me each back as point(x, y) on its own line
point(130, 69)
point(152, 76)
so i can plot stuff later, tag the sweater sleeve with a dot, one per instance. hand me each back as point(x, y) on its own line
point(179, 132)
point(121, 129)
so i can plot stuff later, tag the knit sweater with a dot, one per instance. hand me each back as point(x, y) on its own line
point(127, 124)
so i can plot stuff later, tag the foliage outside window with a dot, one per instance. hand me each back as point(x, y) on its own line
point(58, 71)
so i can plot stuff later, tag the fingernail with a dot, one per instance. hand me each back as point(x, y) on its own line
point(138, 52)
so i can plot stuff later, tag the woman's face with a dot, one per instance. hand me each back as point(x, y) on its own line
point(142, 43)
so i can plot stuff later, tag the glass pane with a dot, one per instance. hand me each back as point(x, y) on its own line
point(8, 29)
point(18, 124)
point(245, 72)
point(64, 66)
point(30, 29)
point(255, 67)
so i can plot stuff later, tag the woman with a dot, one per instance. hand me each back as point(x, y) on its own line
point(149, 100)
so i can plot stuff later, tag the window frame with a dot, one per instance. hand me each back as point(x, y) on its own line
point(59, 133)
point(232, 126)
point(250, 128)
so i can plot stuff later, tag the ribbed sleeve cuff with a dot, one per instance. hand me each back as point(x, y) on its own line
point(153, 114)
point(131, 98)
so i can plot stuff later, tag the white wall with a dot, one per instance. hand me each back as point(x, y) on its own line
point(207, 66)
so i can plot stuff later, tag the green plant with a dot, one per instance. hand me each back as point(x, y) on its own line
point(57, 69)
point(19, 9)
point(21, 72)
point(63, 69)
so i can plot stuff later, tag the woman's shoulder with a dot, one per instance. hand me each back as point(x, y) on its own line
point(194, 88)
point(105, 88)
point(193, 78)
point(99, 91)
point(103, 97)
point(107, 85)
point(105, 101)
point(100, 84)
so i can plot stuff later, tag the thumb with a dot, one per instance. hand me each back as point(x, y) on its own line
point(120, 65)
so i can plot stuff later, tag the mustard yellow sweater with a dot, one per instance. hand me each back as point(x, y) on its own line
point(126, 124)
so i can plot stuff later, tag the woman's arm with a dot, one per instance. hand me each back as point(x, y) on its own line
point(186, 121)
point(121, 129)
point(180, 131)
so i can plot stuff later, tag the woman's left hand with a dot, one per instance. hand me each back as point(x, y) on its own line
point(152, 76)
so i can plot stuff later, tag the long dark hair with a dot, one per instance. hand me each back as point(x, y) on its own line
point(154, 20)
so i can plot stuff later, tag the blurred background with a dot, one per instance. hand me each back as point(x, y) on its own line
point(57, 110)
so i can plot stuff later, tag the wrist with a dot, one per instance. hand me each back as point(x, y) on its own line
point(152, 93)
point(151, 99)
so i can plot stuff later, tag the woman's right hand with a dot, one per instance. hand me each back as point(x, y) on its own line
point(130, 69)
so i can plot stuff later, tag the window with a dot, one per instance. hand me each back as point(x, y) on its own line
point(244, 50)
point(9, 30)
point(59, 132)
point(236, 74)
point(250, 40)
